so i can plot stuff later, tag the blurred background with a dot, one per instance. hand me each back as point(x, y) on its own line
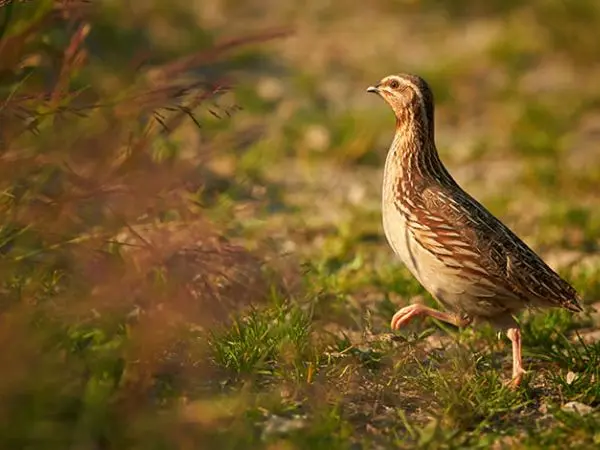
point(191, 253)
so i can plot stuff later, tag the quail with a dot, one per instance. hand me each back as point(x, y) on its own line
point(469, 261)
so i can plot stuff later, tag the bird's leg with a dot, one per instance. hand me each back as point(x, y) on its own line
point(514, 334)
point(406, 314)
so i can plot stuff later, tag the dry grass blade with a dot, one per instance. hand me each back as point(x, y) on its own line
point(171, 70)
point(73, 58)
point(4, 3)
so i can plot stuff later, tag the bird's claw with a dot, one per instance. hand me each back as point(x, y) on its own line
point(403, 316)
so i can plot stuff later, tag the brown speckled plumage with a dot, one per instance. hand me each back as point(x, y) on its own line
point(464, 256)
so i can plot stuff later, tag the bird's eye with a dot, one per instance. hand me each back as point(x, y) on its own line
point(394, 84)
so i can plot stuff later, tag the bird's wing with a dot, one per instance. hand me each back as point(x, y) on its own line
point(459, 231)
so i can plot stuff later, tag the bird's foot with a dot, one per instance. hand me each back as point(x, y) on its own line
point(517, 378)
point(405, 315)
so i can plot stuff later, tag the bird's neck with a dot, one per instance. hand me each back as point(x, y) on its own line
point(413, 160)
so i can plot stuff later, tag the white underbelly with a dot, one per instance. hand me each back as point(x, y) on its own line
point(433, 274)
point(399, 238)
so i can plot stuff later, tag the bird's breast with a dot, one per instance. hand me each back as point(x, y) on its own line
point(421, 263)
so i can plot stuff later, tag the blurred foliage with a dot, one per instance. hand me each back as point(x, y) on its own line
point(91, 99)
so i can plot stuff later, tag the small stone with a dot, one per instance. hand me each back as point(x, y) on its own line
point(317, 138)
point(435, 342)
point(277, 425)
point(576, 407)
point(270, 89)
point(289, 246)
point(356, 193)
point(571, 376)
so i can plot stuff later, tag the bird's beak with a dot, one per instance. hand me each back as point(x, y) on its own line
point(373, 89)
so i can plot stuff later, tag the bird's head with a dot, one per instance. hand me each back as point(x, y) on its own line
point(409, 96)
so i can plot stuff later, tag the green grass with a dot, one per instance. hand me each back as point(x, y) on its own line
point(255, 343)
